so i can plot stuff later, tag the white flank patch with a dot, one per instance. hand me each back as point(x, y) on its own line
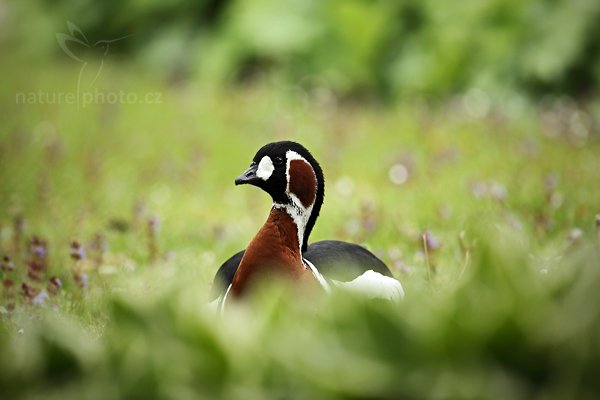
point(317, 274)
point(374, 285)
point(265, 168)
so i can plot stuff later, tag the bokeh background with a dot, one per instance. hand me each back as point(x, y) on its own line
point(460, 143)
point(382, 50)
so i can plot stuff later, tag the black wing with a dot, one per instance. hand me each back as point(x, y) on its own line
point(224, 275)
point(343, 261)
point(334, 259)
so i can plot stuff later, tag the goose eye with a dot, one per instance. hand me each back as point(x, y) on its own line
point(278, 160)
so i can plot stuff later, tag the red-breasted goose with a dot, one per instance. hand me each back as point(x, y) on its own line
point(294, 179)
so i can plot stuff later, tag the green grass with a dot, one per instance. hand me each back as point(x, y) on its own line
point(508, 311)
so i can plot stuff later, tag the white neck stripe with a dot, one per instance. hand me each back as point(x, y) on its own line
point(299, 215)
point(296, 209)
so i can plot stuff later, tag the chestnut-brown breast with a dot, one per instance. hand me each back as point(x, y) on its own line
point(273, 252)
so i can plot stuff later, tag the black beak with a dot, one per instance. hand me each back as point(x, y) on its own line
point(249, 176)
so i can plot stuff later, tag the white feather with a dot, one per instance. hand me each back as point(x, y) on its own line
point(218, 305)
point(317, 274)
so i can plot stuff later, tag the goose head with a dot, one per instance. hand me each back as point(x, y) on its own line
point(293, 178)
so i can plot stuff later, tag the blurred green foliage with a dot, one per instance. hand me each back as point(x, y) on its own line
point(503, 307)
point(506, 329)
point(504, 190)
point(358, 48)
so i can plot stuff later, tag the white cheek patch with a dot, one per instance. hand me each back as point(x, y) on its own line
point(265, 168)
